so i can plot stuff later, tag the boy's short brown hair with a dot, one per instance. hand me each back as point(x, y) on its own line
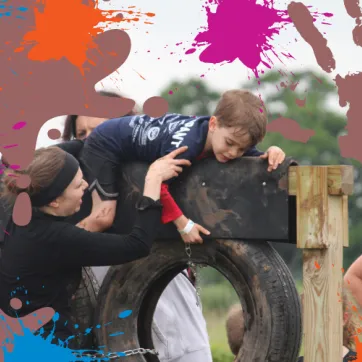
point(241, 108)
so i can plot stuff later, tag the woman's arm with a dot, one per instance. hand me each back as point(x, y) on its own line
point(78, 247)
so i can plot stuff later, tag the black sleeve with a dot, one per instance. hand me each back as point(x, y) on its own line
point(74, 147)
point(78, 247)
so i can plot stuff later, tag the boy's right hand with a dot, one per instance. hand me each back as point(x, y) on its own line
point(194, 235)
point(168, 167)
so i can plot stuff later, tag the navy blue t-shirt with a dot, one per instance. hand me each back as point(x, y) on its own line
point(143, 138)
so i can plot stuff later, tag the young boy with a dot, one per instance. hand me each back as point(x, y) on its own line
point(238, 124)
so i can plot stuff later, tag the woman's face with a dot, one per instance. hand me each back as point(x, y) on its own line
point(85, 125)
point(70, 201)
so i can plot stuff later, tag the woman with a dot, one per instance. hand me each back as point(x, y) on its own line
point(38, 259)
point(179, 330)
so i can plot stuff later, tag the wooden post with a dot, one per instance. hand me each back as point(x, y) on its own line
point(322, 231)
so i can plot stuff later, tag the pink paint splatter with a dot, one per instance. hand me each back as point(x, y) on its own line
point(11, 146)
point(242, 29)
point(19, 125)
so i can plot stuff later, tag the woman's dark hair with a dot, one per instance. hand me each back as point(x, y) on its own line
point(70, 122)
point(42, 170)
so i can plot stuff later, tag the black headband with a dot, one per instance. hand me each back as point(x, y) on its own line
point(60, 183)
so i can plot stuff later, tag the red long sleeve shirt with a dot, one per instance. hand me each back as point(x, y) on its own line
point(171, 211)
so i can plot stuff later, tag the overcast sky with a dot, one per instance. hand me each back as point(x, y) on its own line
point(180, 20)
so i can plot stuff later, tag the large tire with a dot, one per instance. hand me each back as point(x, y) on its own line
point(83, 306)
point(264, 284)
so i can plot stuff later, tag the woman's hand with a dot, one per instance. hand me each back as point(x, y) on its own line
point(168, 167)
point(162, 170)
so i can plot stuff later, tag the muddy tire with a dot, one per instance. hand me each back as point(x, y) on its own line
point(263, 282)
point(83, 306)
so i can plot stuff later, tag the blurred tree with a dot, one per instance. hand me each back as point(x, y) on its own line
point(195, 97)
point(192, 97)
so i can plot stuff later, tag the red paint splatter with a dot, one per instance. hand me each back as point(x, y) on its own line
point(52, 40)
point(241, 29)
point(5, 232)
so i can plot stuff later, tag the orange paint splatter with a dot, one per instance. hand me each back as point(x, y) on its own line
point(342, 270)
point(18, 50)
point(317, 265)
point(139, 74)
point(358, 349)
point(53, 40)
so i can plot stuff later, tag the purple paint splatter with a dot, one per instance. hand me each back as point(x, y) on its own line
point(243, 30)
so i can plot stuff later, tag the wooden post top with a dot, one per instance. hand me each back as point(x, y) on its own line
point(340, 180)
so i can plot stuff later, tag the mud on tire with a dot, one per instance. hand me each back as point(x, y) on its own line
point(263, 282)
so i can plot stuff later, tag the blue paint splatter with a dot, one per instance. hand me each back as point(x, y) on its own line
point(10, 10)
point(125, 314)
point(116, 334)
point(41, 349)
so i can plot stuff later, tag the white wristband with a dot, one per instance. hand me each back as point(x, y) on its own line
point(190, 224)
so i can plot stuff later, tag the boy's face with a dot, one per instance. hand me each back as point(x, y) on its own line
point(227, 143)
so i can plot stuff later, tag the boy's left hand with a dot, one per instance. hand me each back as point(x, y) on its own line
point(275, 155)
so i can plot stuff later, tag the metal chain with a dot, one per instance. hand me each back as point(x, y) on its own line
point(192, 266)
point(115, 355)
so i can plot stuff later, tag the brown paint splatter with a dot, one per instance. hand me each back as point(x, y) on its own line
point(290, 129)
point(293, 86)
point(354, 11)
point(23, 181)
point(14, 326)
point(303, 21)
point(300, 102)
point(54, 134)
point(16, 303)
point(22, 209)
point(155, 107)
point(38, 72)
point(349, 91)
